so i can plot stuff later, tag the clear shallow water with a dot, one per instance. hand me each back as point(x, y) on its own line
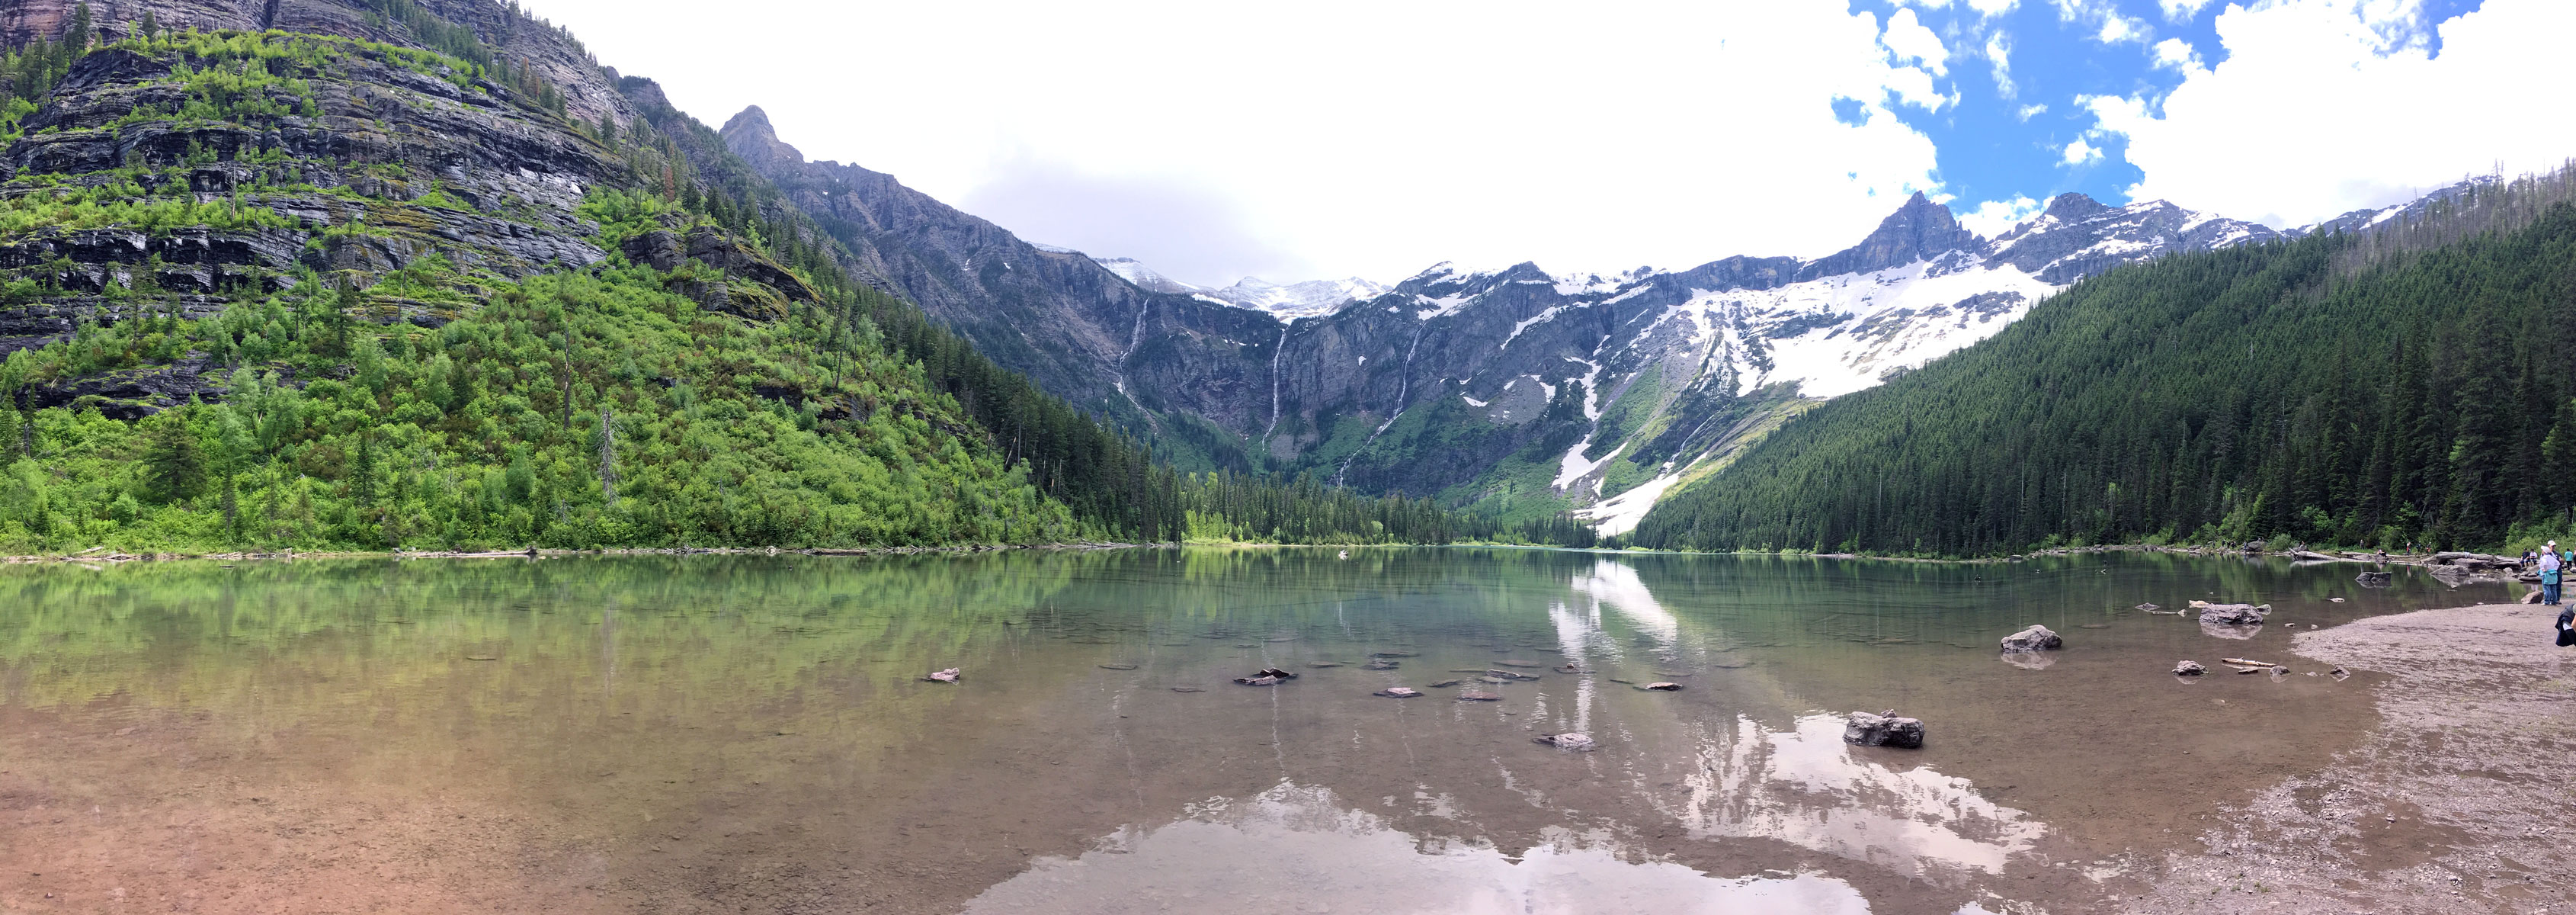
point(709, 733)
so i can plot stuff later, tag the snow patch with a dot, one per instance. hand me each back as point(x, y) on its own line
point(1574, 468)
point(1620, 514)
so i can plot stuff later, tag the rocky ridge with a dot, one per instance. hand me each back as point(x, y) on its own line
point(1518, 390)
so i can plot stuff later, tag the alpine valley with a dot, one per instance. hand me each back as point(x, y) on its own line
point(1512, 392)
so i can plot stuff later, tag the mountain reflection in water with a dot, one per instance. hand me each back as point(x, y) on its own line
point(669, 733)
point(1296, 848)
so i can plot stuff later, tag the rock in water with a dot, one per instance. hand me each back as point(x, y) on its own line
point(2375, 579)
point(1664, 687)
point(1868, 730)
point(1378, 664)
point(2234, 614)
point(1269, 676)
point(1444, 683)
point(943, 676)
point(1398, 692)
point(2149, 607)
point(1567, 741)
point(2035, 638)
point(2189, 669)
point(1478, 695)
point(2224, 631)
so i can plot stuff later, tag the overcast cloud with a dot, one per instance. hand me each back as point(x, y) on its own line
point(1333, 138)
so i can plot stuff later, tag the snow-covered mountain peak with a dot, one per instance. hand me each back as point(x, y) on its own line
point(1309, 299)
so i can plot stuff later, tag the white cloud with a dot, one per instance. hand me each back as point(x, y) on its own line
point(1998, 53)
point(2317, 110)
point(2080, 152)
point(2117, 28)
point(2028, 112)
point(1360, 137)
point(2183, 10)
point(1910, 41)
point(2173, 54)
point(1995, 217)
point(1993, 8)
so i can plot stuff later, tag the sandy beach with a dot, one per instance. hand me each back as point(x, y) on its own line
point(2458, 799)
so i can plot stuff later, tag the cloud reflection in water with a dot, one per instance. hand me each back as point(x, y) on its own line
point(1295, 848)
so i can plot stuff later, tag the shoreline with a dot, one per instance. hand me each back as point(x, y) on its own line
point(2452, 802)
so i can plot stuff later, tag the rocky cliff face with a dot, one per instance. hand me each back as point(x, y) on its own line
point(313, 159)
point(1155, 360)
point(588, 93)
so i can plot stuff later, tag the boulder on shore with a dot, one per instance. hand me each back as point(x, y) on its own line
point(2234, 614)
point(1867, 730)
point(2189, 669)
point(2035, 638)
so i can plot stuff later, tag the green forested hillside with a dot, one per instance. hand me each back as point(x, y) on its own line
point(2409, 385)
point(272, 289)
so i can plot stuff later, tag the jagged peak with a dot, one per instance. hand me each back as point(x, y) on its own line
point(751, 119)
point(1919, 230)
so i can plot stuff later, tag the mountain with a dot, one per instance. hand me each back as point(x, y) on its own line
point(1309, 299)
point(2400, 382)
point(420, 274)
point(1517, 392)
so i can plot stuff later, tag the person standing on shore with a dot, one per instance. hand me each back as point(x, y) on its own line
point(2550, 569)
point(2567, 627)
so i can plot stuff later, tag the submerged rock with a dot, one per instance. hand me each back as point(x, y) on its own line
point(1478, 695)
point(2228, 631)
point(1269, 676)
point(2035, 638)
point(1378, 664)
point(2189, 669)
point(2234, 614)
point(1567, 741)
point(943, 676)
point(1444, 684)
point(1399, 692)
point(1867, 730)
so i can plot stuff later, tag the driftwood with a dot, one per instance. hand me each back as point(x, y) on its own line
point(2247, 662)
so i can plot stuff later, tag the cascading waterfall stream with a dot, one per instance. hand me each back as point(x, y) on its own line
point(1403, 389)
point(1275, 353)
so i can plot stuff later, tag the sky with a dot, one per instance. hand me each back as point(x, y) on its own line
point(1374, 138)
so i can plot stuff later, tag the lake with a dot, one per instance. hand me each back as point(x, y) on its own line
point(755, 733)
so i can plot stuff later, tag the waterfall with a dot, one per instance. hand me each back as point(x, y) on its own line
point(1403, 388)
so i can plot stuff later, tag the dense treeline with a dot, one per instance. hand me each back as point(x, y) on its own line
point(2413, 385)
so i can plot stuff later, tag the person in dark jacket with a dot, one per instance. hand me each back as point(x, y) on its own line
point(2567, 627)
